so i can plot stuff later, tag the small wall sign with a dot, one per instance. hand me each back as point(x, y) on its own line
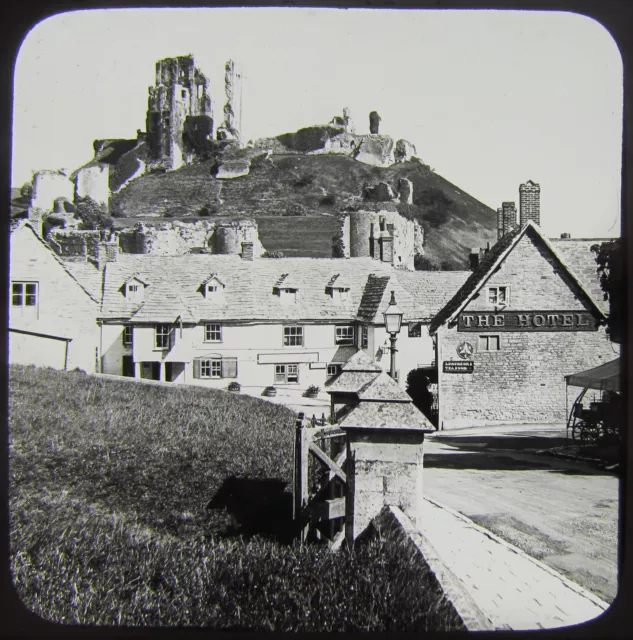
point(465, 350)
point(459, 366)
point(527, 321)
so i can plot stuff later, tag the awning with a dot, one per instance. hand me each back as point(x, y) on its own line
point(606, 377)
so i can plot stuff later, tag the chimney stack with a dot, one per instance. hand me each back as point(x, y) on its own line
point(509, 216)
point(474, 258)
point(106, 251)
point(247, 251)
point(565, 236)
point(530, 202)
point(499, 223)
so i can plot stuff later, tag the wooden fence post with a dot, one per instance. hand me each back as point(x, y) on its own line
point(301, 488)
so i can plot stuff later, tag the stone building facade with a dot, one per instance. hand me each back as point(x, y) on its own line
point(520, 323)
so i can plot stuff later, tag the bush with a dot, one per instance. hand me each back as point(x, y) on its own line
point(273, 254)
point(234, 386)
point(295, 209)
point(304, 181)
point(422, 263)
point(208, 210)
point(328, 200)
point(92, 215)
point(418, 383)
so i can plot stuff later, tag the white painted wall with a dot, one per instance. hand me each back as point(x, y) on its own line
point(63, 307)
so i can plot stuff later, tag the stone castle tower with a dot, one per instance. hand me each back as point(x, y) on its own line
point(530, 202)
point(178, 101)
point(230, 128)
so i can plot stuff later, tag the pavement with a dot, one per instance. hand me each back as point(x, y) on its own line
point(493, 488)
point(512, 589)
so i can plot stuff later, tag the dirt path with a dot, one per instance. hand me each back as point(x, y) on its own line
point(563, 513)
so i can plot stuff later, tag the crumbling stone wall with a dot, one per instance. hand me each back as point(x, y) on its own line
point(73, 244)
point(93, 182)
point(48, 186)
point(179, 238)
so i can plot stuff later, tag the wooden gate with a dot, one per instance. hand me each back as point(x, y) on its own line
point(319, 481)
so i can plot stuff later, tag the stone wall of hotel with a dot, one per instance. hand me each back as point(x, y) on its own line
point(523, 381)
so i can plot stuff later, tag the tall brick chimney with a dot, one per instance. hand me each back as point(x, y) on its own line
point(499, 223)
point(530, 202)
point(474, 258)
point(247, 251)
point(509, 216)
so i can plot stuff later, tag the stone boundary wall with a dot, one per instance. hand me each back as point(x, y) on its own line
point(394, 526)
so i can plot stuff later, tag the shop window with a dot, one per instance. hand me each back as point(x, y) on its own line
point(499, 295)
point(345, 335)
point(215, 367)
point(286, 374)
point(489, 343)
point(293, 336)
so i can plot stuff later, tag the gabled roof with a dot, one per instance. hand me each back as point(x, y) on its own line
point(382, 387)
point(385, 415)
point(214, 276)
point(576, 252)
point(361, 361)
point(249, 287)
point(490, 262)
point(372, 297)
point(138, 278)
point(25, 224)
point(336, 282)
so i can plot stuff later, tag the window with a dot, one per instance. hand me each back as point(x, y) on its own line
point(24, 294)
point(288, 296)
point(333, 370)
point(212, 288)
point(213, 332)
point(184, 94)
point(293, 336)
point(164, 333)
point(211, 368)
point(133, 290)
point(364, 344)
point(345, 335)
point(286, 374)
point(499, 295)
point(216, 367)
point(488, 343)
point(415, 330)
point(127, 336)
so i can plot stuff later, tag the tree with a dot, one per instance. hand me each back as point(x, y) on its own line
point(610, 259)
point(92, 214)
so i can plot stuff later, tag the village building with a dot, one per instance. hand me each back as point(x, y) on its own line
point(523, 320)
point(290, 323)
point(53, 305)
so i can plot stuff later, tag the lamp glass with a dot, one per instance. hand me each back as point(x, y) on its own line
point(393, 316)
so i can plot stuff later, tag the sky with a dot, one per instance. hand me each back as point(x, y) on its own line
point(490, 99)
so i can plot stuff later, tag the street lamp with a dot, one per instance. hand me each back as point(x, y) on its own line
point(393, 321)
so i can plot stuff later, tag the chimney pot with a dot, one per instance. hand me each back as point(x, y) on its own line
point(565, 236)
point(248, 251)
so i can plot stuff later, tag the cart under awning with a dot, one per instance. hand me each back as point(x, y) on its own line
point(606, 377)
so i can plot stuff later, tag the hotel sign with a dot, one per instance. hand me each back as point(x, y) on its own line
point(459, 366)
point(527, 321)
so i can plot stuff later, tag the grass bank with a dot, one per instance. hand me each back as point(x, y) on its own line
point(148, 505)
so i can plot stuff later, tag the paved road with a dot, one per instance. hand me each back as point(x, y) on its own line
point(563, 513)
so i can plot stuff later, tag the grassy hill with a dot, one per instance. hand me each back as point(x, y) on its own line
point(310, 185)
point(137, 504)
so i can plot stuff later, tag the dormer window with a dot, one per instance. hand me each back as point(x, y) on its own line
point(340, 294)
point(134, 289)
point(213, 288)
point(288, 296)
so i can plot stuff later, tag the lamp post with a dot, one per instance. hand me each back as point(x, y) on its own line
point(393, 322)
